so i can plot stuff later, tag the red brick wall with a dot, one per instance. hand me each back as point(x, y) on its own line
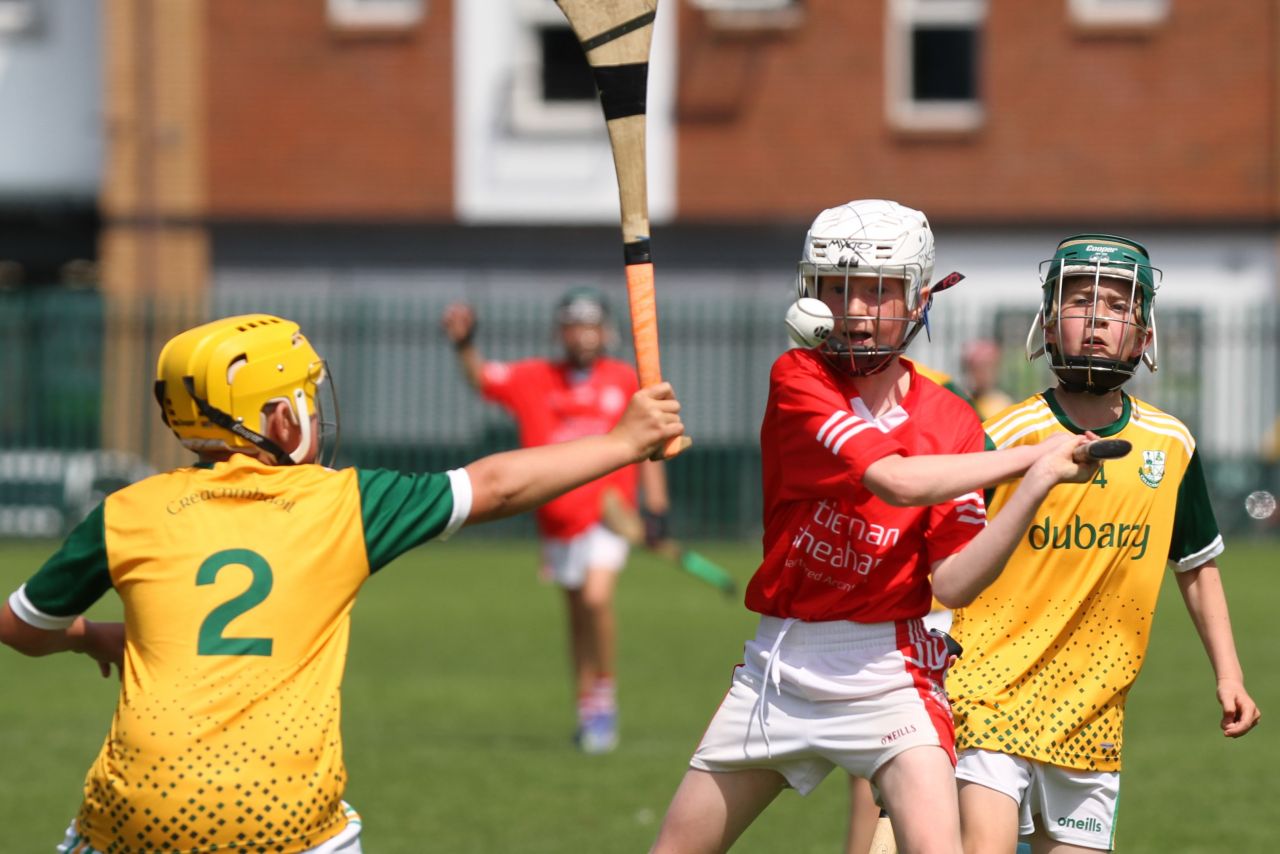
point(308, 122)
point(1175, 124)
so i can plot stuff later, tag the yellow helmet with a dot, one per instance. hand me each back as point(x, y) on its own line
point(213, 381)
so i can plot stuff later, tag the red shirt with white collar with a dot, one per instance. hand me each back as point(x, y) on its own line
point(832, 550)
point(555, 402)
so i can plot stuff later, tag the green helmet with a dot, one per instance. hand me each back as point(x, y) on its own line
point(1096, 256)
point(582, 305)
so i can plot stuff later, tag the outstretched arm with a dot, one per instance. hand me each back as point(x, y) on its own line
point(515, 481)
point(1207, 604)
point(103, 642)
point(958, 579)
point(459, 323)
point(931, 479)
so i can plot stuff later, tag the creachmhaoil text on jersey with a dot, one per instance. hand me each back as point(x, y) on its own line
point(1078, 534)
point(178, 505)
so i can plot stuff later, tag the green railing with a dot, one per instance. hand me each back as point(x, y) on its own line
point(404, 404)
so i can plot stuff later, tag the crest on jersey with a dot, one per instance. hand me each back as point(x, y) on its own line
point(1152, 471)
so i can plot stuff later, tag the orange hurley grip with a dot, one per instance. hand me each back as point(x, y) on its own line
point(644, 334)
point(644, 322)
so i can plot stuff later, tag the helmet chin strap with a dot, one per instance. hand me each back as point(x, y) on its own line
point(1090, 376)
point(226, 422)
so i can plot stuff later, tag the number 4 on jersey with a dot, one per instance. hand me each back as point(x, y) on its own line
point(1101, 477)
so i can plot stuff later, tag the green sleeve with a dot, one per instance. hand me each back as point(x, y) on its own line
point(77, 575)
point(1195, 530)
point(950, 385)
point(990, 491)
point(401, 511)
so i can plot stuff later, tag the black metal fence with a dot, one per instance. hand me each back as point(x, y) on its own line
point(76, 372)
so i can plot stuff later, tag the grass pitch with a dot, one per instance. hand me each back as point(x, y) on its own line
point(458, 714)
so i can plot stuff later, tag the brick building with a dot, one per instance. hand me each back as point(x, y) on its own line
point(386, 146)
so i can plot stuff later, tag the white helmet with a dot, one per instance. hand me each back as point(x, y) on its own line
point(870, 237)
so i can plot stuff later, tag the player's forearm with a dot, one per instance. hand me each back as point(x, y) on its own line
point(1206, 602)
point(934, 478)
point(515, 481)
point(471, 362)
point(29, 640)
point(653, 486)
point(959, 579)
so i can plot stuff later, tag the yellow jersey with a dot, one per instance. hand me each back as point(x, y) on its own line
point(1053, 646)
point(237, 581)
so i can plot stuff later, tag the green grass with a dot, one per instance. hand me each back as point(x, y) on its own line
point(458, 714)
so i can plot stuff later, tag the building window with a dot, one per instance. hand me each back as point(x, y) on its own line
point(1118, 13)
point(17, 16)
point(376, 14)
point(933, 61)
point(552, 89)
point(748, 15)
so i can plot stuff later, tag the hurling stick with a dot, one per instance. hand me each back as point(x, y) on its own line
point(1102, 449)
point(623, 520)
point(883, 841)
point(615, 36)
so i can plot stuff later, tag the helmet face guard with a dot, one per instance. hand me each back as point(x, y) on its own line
point(870, 238)
point(1097, 259)
point(818, 282)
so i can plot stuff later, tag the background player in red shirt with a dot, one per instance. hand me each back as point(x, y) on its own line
point(872, 480)
point(582, 394)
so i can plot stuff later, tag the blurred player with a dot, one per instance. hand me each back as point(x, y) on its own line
point(980, 360)
point(1054, 645)
point(238, 575)
point(580, 395)
point(942, 378)
point(871, 482)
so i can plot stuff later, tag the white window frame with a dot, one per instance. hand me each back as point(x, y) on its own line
point(531, 114)
point(18, 16)
point(747, 15)
point(1119, 13)
point(904, 112)
point(745, 5)
point(376, 14)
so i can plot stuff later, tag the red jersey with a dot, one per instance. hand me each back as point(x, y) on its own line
point(555, 402)
point(832, 550)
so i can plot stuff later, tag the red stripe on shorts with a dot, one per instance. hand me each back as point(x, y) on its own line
point(925, 658)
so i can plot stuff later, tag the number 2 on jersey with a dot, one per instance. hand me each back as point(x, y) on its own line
point(211, 639)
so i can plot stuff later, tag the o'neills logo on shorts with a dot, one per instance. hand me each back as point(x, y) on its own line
point(1079, 534)
point(1089, 825)
point(897, 734)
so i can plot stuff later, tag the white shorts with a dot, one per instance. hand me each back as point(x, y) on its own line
point(809, 697)
point(346, 842)
point(566, 561)
point(1075, 807)
point(939, 619)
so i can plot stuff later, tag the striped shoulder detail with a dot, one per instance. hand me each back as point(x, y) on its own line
point(970, 508)
point(1027, 417)
point(840, 428)
point(1147, 417)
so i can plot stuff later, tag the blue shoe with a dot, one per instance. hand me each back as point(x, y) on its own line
point(599, 733)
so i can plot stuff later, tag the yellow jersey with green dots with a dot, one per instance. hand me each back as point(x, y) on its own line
point(1053, 646)
point(237, 582)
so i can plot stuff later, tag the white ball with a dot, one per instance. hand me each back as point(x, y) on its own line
point(809, 322)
